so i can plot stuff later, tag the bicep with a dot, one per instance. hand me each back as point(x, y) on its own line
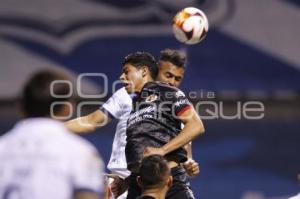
point(188, 115)
point(191, 119)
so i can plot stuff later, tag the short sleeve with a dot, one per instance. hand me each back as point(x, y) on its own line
point(88, 172)
point(180, 102)
point(113, 106)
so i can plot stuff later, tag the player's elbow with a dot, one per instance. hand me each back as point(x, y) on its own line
point(87, 129)
point(199, 127)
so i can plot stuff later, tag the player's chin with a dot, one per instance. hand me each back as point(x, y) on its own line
point(129, 89)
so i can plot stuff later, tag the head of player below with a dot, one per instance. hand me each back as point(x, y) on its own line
point(171, 67)
point(138, 69)
point(39, 95)
point(154, 176)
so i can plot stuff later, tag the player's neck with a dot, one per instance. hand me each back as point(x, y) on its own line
point(156, 193)
point(145, 81)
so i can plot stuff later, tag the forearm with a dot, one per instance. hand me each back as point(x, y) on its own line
point(87, 123)
point(80, 125)
point(188, 148)
point(87, 195)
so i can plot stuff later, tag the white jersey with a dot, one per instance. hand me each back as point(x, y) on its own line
point(119, 106)
point(40, 159)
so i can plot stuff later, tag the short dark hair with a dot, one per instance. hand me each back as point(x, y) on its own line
point(154, 171)
point(140, 59)
point(174, 56)
point(36, 97)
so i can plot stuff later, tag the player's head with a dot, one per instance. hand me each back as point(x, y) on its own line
point(37, 97)
point(138, 69)
point(154, 173)
point(171, 66)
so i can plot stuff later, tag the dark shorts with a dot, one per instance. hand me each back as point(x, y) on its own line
point(180, 188)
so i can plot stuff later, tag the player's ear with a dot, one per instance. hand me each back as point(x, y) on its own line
point(138, 180)
point(145, 71)
point(170, 181)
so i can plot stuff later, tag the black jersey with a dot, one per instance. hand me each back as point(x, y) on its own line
point(146, 197)
point(153, 121)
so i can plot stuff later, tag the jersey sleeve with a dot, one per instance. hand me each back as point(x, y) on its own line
point(88, 173)
point(179, 101)
point(113, 106)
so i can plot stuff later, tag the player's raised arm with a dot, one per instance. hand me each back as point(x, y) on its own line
point(88, 123)
point(193, 127)
point(183, 110)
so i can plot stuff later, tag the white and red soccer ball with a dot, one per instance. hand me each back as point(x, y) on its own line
point(190, 25)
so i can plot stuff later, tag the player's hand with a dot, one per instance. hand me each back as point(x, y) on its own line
point(151, 151)
point(192, 167)
point(118, 186)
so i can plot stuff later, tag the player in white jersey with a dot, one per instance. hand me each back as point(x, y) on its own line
point(119, 107)
point(40, 158)
point(171, 70)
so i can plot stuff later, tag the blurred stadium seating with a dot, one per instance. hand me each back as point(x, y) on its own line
point(251, 53)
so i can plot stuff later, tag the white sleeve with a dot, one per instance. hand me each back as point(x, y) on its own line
point(113, 106)
point(88, 172)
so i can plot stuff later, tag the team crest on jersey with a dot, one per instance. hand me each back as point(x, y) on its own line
point(179, 94)
point(151, 98)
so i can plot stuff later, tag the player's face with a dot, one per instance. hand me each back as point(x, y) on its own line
point(132, 78)
point(170, 73)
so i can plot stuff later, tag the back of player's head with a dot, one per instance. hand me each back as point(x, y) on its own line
point(37, 97)
point(141, 59)
point(154, 172)
point(174, 56)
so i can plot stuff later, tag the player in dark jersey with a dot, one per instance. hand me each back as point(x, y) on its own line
point(172, 66)
point(154, 124)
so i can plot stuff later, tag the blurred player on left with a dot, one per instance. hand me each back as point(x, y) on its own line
point(40, 158)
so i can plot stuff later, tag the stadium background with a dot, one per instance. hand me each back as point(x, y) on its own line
point(251, 53)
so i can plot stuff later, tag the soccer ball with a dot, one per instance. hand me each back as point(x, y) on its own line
point(190, 25)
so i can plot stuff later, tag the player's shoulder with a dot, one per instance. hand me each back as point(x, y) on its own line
point(120, 96)
point(161, 86)
point(4, 138)
point(166, 89)
point(121, 92)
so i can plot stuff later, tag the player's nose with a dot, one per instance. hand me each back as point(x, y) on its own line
point(122, 77)
point(172, 82)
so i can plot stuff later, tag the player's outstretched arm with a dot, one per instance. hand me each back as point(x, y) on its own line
point(193, 127)
point(88, 123)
